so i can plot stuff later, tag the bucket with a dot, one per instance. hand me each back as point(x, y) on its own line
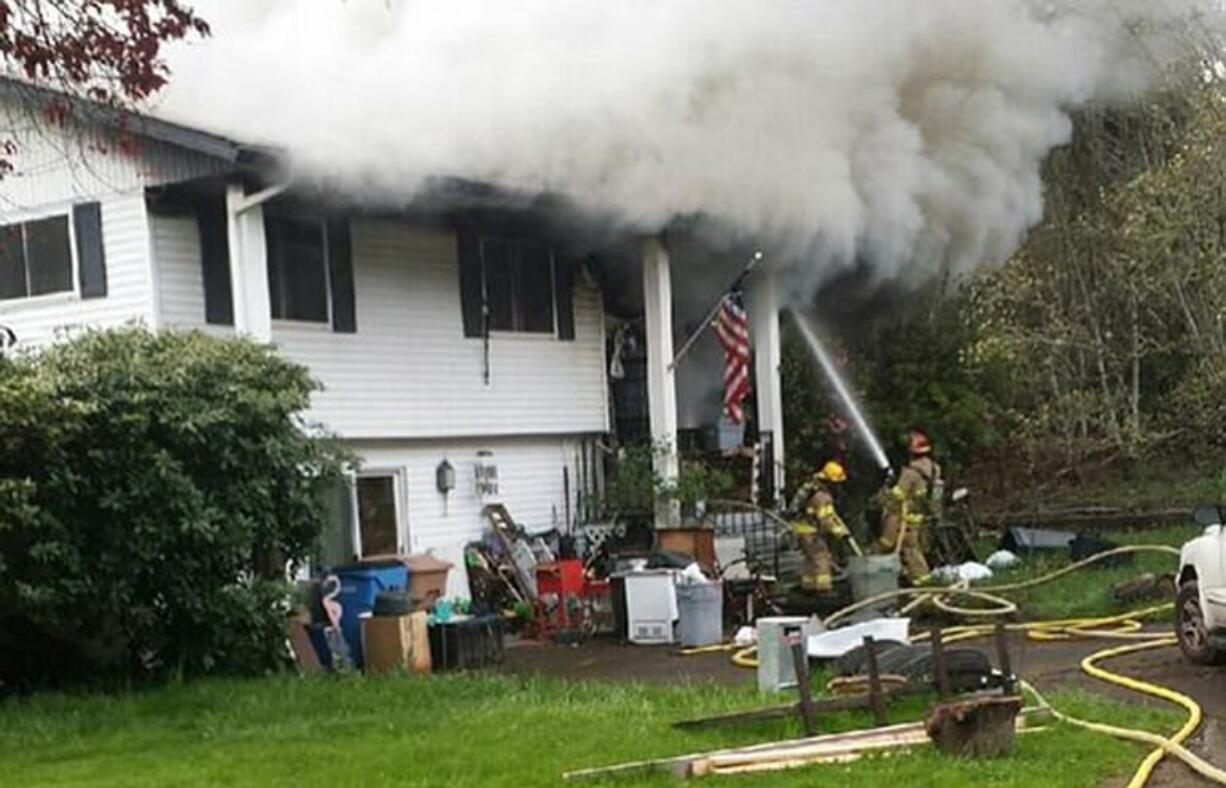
point(871, 575)
point(700, 606)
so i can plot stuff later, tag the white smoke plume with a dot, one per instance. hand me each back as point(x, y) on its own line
point(908, 133)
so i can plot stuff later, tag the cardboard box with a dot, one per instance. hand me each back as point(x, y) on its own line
point(397, 643)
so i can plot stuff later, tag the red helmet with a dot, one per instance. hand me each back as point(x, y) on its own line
point(917, 442)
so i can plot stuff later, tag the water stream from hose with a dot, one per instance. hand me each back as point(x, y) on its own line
point(840, 386)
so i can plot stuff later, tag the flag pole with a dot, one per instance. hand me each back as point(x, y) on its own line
point(693, 337)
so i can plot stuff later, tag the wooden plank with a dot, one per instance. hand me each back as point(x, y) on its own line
point(782, 754)
point(800, 660)
point(876, 699)
point(1002, 656)
point(939, 665)
point(680, 765)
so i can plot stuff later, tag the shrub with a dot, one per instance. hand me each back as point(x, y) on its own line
point(152, 487)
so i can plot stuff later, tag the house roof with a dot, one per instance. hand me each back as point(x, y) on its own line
point(436, 194)
point(239, 154)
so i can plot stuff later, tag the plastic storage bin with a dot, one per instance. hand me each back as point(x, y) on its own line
point(466, 643)
point(701, 610)
point(427, 579)
point(360, 585)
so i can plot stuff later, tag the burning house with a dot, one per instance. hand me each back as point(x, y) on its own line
point(463, 338)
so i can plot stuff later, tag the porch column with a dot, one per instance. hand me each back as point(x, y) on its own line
point(768, 392)
point(661, 380)
point(248, 266)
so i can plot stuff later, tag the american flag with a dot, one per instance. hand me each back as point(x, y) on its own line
point(732, 330)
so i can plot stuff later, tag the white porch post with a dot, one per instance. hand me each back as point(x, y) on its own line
point(768, 392)
point(248, 266)
point(661, 380)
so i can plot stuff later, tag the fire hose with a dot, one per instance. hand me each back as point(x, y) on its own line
point(1126, 626)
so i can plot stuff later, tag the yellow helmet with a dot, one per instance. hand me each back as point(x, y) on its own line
point(833, 471)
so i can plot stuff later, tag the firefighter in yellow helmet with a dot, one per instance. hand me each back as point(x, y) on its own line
point(912, 505)
point(817, 519)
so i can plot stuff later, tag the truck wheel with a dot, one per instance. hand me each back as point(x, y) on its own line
point(1190, 628)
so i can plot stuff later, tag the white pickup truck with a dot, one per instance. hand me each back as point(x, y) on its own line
point(1200, 611)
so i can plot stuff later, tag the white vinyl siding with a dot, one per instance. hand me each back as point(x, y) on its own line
point(180, 277)
point(129, 298)
point(55, 167)
point(530, 485)
point(57, 164)
point(409, 371)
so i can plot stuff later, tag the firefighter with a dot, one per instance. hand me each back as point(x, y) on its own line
point(817, 519)
point(912, 507)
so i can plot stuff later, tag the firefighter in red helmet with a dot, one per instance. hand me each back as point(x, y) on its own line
point(912, 506)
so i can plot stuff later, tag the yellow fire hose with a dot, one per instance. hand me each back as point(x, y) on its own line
point(1122, 626)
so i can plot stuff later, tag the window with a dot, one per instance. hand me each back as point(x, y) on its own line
point(518, 276)
point(297, 269)
point(35, 258)
point(378, 520)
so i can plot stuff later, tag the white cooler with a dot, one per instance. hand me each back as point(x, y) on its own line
point(651, 606)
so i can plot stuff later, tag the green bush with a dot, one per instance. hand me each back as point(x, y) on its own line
point(152, 489)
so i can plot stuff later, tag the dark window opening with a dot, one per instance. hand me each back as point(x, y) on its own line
point(297, 269)
point(518, 278)
point(35, 258)
point(377, 521)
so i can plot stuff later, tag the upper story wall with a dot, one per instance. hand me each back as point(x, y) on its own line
point(42, 319)
point(408, 371)
point(58, 166)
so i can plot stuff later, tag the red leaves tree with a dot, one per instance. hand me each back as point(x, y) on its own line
point(108, 51)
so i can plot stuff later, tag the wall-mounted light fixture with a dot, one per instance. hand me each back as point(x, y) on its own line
point(444, 480)
point(444, 477)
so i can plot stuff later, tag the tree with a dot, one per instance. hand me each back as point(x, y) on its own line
point(108, 51)
point(1109, 316)
point(153, 488)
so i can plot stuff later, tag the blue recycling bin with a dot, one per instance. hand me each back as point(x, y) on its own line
point(360, 584)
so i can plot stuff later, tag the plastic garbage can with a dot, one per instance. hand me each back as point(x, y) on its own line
point(700, 606)
point(360, 586)
point(872, 575)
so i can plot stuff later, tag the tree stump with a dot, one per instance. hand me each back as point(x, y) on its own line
point(978, 728)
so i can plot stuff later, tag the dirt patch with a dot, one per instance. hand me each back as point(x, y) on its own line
point(611, 660)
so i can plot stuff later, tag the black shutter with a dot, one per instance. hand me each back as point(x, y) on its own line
point(91, 258)
point(471, 298)
point(211, 222)
point(563, 289)
point(340, 271)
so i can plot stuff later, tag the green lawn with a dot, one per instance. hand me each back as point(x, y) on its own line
point(487, 729)
point(1087, 592)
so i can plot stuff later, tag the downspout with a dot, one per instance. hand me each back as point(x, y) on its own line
point(238, 204)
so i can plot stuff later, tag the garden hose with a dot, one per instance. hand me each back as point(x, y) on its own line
point(936, 595)
point(1124, 626)
point(1172, 745)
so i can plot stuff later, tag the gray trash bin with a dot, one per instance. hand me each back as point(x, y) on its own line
point(700, 607)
